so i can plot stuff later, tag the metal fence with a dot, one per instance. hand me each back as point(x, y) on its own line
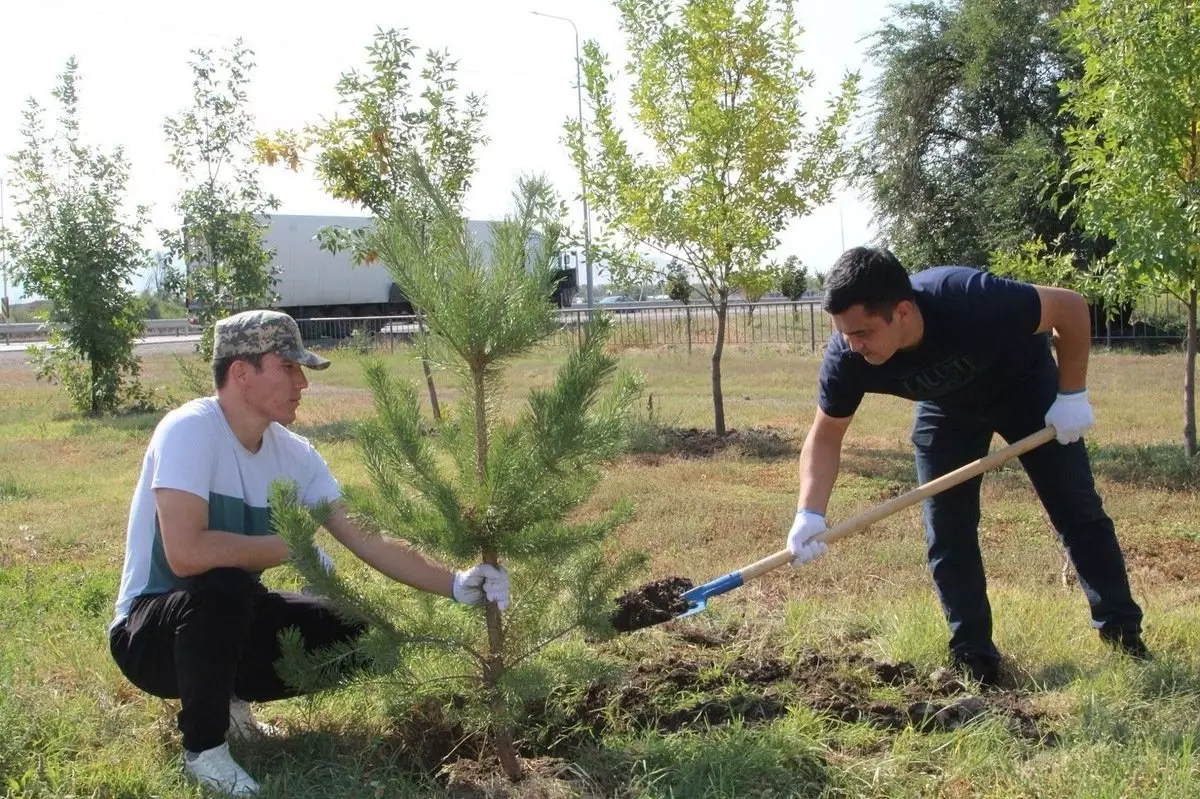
point(802, 324)
point(1154, 320)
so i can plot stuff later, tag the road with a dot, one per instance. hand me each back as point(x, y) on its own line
point(15, 353)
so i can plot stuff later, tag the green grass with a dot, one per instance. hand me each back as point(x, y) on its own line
point(70, 725)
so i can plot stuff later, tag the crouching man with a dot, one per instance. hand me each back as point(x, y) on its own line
point(193, 622)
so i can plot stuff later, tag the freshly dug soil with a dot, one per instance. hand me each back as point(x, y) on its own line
point(696, 686)
point(652, 603)
point(694, 442)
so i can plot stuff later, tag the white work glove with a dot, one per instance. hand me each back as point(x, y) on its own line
point(481, 583)
point(806, 525)
point(1071, 415)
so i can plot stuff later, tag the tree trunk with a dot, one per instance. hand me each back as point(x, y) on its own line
point(718, 348)
point(433, 398)
point(494, 669)
point(1189, 380)
point(688, 315)
point(94, 371)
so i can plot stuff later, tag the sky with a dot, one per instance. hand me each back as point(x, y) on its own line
point(133, 64)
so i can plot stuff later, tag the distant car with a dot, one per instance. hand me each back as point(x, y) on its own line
point(615, 303)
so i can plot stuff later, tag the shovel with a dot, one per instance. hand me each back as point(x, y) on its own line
point(698, 597)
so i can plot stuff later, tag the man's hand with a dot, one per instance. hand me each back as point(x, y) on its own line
point(1071, 414)
point(481, 583)
point(806, 525)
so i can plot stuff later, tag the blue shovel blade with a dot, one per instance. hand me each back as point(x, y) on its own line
point(698, 597)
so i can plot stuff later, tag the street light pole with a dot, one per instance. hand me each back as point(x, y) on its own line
point(4, 254)
point(587, 228)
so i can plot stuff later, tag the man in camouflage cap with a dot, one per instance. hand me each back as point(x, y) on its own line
point(193, 620)
point(260, 332)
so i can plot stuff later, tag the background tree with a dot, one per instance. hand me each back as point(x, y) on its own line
point(1135, 150)
point(484, 487)
point(77, 247)
point(223, 211)
point(680, 290)
point(793, 279)
point(362, 157)
point(717, 94)
point(754, 284)
point(965, 150)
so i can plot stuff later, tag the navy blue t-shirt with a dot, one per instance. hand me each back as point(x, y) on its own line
point(980, 338)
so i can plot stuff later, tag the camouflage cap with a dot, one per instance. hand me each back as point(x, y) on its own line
point(260, 332)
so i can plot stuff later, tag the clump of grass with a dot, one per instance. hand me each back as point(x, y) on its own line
point(1147, 465)
point(648, 434)
point(11, 490)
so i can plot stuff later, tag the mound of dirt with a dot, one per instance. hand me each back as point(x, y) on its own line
point(698, 687)
point(652, 603)
point(694, 442)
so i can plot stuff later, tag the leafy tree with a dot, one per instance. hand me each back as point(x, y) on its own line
point(678, 287)
point(793, 279)
point(362, 157)
point(680, 290)
point(754, 283)
point(483, 486)
point(78, 248)
point(222, 208)
point(717, 94)
point(965, 154)
point(1135, 150)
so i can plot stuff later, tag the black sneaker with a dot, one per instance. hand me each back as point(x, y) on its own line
point(1128, 642)
point(984, 669)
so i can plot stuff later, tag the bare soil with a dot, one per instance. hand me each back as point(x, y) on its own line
point(1165, 559)
point(695, 442)
point(844, 687)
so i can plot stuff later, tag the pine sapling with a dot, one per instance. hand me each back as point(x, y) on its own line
point(483, 485)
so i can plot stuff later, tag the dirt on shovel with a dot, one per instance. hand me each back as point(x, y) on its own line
point(650, 604)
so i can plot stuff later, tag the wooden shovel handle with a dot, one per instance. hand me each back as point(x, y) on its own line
point(896, 504)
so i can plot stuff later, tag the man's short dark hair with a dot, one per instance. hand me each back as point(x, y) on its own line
point(220, 367)
point(870, 277)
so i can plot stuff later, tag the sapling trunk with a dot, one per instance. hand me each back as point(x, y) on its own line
point(1189, 380)
point(718, 349)
point(494, 669)
point(433, 397)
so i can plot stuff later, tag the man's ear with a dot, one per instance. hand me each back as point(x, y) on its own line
point(237, 370)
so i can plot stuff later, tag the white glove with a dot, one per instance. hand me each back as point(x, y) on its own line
point(1071, 414)
point(481, 583)
point(806, 525)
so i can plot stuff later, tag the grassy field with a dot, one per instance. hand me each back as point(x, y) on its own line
point(808, 682)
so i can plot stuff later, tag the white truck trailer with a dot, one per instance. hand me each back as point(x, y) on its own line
point(314, 283)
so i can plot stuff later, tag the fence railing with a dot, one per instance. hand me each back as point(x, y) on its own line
point(802, 324)
point(1155, 319)
point(1152, 318)
point(13, 332)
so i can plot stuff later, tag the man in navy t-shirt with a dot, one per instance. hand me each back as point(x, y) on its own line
point(970, 349)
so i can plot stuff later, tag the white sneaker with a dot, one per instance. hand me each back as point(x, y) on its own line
point(216, 769)
point(242, 724)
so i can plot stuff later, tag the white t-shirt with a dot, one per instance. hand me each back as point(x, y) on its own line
point(193, 449)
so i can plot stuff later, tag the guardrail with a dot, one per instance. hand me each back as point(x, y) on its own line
point(649, 324)
point(636, 324)
point(37, 331)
